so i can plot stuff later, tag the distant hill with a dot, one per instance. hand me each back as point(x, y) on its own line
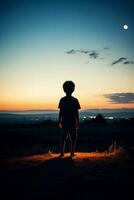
point(106, 110)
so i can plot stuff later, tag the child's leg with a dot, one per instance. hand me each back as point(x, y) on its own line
point(73, 136)
point(62, 141)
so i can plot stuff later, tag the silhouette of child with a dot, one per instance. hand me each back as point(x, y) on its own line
point(68, 117)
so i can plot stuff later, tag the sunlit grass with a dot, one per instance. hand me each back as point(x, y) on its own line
point(113, 151)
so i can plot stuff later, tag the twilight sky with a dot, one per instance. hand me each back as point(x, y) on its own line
point(44, 43)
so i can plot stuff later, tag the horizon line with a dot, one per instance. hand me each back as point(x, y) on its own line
point(24, 110)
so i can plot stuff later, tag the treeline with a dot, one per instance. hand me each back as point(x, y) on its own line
point(102, 120)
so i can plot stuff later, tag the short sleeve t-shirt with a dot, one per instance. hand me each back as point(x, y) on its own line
point(69, 107)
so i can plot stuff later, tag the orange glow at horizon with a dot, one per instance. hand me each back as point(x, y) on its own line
point(54, 106)
point(31, 99)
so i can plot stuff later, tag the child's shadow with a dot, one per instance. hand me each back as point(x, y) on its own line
point(58, 166)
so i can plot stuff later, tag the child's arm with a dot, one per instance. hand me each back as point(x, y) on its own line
point(77, 119)
point(60, 119)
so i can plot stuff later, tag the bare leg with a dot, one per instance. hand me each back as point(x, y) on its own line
point(73, 136)
point(62, 141)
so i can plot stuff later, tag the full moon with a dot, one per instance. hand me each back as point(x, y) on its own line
point(125, 26)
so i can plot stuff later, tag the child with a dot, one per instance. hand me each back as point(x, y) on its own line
point(68, 117)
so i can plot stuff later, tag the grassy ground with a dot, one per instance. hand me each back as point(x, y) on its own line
point(28, 172)
point(17, 140)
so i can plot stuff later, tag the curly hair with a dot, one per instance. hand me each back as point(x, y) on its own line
point(68, 87)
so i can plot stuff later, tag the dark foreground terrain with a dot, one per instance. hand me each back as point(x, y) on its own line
point(27, 171)
point(65, 178)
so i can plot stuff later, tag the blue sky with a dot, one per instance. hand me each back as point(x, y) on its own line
point(35, 37)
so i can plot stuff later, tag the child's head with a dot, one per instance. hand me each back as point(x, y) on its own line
point(68, 87)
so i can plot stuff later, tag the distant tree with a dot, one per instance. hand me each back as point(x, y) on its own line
point(100, 119)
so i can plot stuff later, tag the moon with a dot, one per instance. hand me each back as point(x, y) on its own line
point(125, 26)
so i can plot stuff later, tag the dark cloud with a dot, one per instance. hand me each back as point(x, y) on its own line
point(72, 51)
point(91, 53)
point(128, 63)
point(120, 60)
point(120, 98)
point(84, 51)
point(94, 54)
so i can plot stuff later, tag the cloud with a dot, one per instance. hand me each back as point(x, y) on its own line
point(72, 51)
point(122, 60)
point(120, 98)
point(91, 53)
point(84, 51)
point(119, 60)
point(128, 63)
point(94, 54)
